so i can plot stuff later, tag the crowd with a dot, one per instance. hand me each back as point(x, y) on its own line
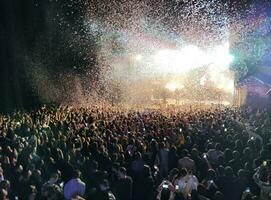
point(108, 153)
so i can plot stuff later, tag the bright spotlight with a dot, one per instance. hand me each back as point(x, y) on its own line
point(190, 57)
point(171, 86)
point(138, 57)
point(179, 61)
point(221, 55)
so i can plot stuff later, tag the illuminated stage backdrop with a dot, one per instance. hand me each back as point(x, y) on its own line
point(176, 75)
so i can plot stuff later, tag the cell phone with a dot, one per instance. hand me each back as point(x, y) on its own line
point(247, 189)
point(252, 138)
point(165, 184)
point(264, 163)
point(176, 187)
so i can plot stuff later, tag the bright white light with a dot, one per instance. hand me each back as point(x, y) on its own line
point(191, 57)
point(171, 86)
point(221, 78)
point(221, 56)
point(138, 57)
point(202, 80)
point(178, 61)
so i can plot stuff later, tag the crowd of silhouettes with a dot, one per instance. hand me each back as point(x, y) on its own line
point(111, 153)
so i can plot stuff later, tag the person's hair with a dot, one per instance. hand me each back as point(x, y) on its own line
point(183, 172)
point(138, 155)
point(179, 196)
point(211, 174)
point(165, 194)
point(201, 189)
point(218, 146)
point(174, 171)
point(229, 171)
point(162, 145)
point(194, 152)
point(94, 165)
point(221, 170)
point(227, 154)
point(194, 195)
point(122, 170)
point(236, 154)
point(146, 171)
point(241, 173)
point(76, 174)
point(184, 152)
point(218, 196)
point(247, 196)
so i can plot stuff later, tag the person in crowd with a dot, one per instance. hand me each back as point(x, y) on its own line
point(124, 154)
point(187, 182)
point(75, 186)
point(186, 162)
point(145, 186)
point(241, 183)
point(104, 192)
point(124, 185)
point(215, 154)
point(264, 186)
point(219, 196)
point(163, 160)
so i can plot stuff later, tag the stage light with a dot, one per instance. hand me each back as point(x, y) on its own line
point(189, 57)
point(221, 56)
point(179, 61)
point(171, 86)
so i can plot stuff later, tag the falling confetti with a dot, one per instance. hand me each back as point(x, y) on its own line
point(105, 46)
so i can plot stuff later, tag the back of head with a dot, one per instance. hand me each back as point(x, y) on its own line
point(218, 196)
point(183, 172)
point(229, 171)
point(76, 174)
point(194, 194)
point(247, 196)
point(146, 171)
point(211, 174)
point(184, 152)
point(201, 189)
point(122, 170)
point(194, 153)
point(138, 156)
point(218, 146)
point(165, 194)
point(236, 154)
point(179, 196)
point(241, 173)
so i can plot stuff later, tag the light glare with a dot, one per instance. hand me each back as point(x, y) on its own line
point(171, 86)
